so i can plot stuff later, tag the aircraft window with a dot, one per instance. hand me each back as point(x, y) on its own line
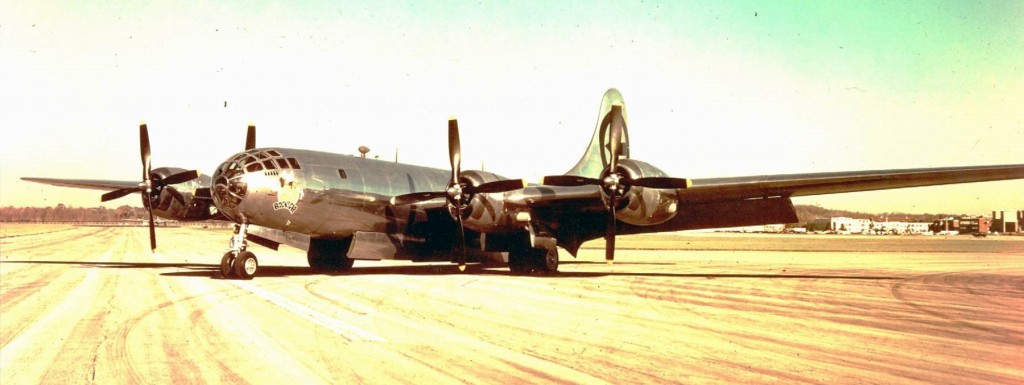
point(281, 163)
point(294, 163)
point(269, 164)
point(253, 167)
point(262, 155)
point(274, 153)
point(342, 174)
point(251, 159)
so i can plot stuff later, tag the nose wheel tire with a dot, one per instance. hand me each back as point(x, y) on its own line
point(227, 265)
point(246, 266)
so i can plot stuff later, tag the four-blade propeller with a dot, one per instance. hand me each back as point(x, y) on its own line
point(152, 184)
point(614, 181)
point(459, 192)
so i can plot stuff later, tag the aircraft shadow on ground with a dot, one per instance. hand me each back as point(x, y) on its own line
point(617, 263)
point(114, 265)
point(213, 271)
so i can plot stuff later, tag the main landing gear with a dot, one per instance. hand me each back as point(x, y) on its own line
point(527, 261)
point(237, 262)
point(329, 256)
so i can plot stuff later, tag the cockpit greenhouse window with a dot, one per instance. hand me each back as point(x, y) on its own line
point(267, 160)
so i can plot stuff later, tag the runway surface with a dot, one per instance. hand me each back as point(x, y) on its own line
point(83, 305)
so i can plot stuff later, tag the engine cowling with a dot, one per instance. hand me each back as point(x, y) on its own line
point(166, 206)
point(645, 206)
point(486, 212)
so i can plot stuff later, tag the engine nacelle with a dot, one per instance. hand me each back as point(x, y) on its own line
point(486, 212)
point(166, 206)
point(645, 206)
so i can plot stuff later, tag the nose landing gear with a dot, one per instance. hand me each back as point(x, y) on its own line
point(238, 263)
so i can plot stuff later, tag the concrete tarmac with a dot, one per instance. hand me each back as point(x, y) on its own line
point(81, 305)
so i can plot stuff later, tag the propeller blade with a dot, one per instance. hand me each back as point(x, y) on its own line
point(175, 194)
point(454, 149)
point(406, 199)
point(609, 237)
point(147, 183)
point(180, 177)
point(144, 150)
point(661, 182)
point(614, 146)
point(460, 256)
point(615, 140)
point(250, 138)
point(496, 186)
point(152, 229)
point(117, 194)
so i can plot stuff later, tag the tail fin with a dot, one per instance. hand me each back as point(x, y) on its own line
point(595, 159)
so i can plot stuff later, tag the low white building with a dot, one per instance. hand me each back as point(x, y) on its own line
point(774, 228)
point(917, 228)
point(844, 225)
point(899, 227)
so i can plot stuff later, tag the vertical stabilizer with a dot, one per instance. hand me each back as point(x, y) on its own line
point(596, 158)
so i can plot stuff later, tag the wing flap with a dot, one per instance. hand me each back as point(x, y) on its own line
point(711, 215)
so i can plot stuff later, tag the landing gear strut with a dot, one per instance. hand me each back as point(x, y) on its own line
point(237, 262)
point(527, 261)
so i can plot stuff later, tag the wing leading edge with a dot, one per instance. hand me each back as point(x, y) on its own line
point(94, 184)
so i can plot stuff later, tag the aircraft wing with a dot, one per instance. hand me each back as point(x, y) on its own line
point(94, 184)
point(739, 201)
point(790, 185)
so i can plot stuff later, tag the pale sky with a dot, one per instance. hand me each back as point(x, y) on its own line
point(713, 89)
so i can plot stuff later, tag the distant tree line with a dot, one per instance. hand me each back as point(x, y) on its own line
point(62, 213)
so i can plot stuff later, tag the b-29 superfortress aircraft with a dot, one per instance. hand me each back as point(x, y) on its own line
point(341, 207)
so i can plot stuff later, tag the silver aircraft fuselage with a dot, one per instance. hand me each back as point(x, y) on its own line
point(316, 193)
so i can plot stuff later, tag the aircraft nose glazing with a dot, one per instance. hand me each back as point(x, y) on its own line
point(229, 188)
